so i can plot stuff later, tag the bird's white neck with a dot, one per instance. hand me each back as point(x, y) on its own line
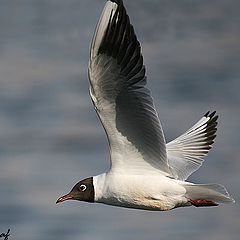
point(99, 184)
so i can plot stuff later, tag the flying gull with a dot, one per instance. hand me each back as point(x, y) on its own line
point(146, 172)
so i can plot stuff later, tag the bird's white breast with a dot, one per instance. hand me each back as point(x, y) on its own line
point(151, 192)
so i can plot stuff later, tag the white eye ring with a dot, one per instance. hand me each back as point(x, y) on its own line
point(83, 187)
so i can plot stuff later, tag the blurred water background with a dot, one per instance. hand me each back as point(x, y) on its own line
point(50, 137)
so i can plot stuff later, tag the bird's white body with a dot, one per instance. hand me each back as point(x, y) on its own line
point(148, 192)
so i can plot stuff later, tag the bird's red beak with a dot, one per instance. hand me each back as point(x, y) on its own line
point(69, 196)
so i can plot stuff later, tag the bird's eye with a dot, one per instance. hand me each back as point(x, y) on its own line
point(83, 187)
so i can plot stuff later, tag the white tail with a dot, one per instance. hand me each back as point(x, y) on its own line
point(208, 192)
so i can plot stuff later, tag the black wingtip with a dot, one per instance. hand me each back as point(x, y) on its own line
point(210, 115)
point(206, 114)
point(211, 128)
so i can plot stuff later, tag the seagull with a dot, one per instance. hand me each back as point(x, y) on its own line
point(146, 172)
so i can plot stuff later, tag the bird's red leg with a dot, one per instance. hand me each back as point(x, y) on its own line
point(202, 203)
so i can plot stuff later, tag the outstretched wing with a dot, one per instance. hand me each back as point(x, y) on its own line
point(123, 103)
point(185, 153)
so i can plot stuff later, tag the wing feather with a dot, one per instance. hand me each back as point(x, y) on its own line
point(186, 153)
point(123, 103)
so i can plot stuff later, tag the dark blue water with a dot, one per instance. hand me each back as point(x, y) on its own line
point(50, 136)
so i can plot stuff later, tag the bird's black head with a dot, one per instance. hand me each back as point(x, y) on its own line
point(82, 191)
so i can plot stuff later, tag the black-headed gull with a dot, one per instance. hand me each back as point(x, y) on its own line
point(145, 173)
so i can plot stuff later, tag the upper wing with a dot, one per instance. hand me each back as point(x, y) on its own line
point(123, 103)
point(185, 153)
